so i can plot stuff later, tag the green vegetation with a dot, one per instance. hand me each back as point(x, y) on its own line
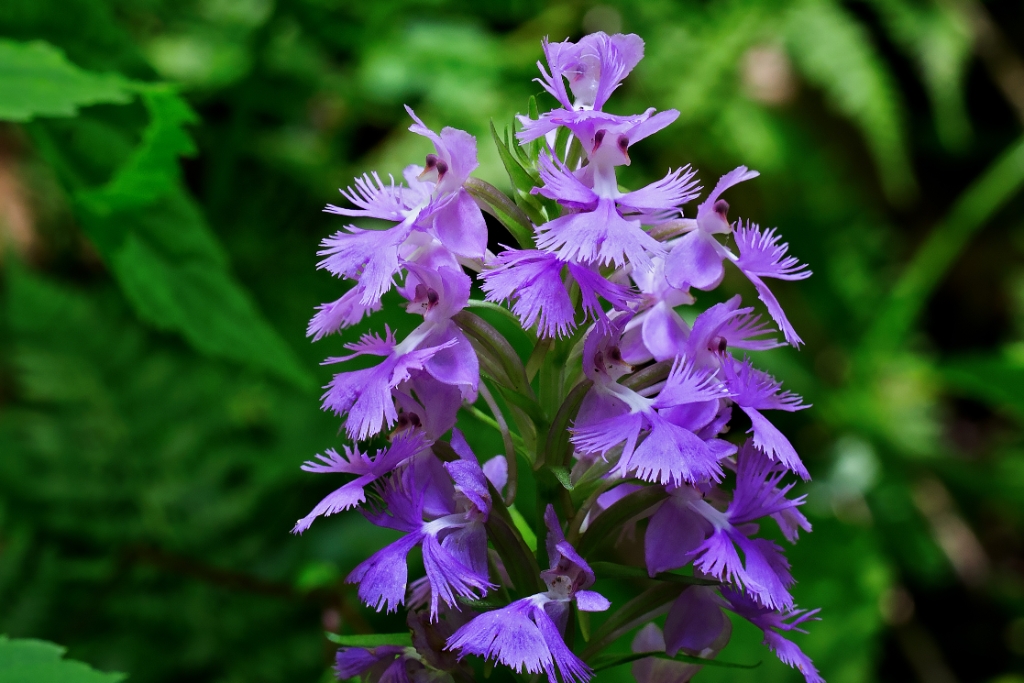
point(162, 170)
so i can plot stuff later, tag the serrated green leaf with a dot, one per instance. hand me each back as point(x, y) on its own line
point(153, 170)
point(36, 79)
point(371, 639)
point(204, 304)
point(164, 256)
point(38, 661)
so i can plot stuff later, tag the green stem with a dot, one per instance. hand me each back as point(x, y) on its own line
point(506, 437)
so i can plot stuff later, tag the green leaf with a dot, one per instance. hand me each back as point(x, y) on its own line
point(520, 177)
point(835, 52)
point(609, 661)
point(204, 304)
point(529, 538)
point(36, 79)
point(505, 210)
point(613, 570)
point(38, 661)
point(491, 343)
point(564, 477)
point(518, 558)
point(522, 180)
point(557, 449)
point(371, 640)
point(153, 170)
point(640, 609)
point(617, 514)
point(165, 258)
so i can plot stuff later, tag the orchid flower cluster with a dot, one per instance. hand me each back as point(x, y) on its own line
point(613, 425)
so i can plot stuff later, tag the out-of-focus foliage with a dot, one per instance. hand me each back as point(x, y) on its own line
point(26, 660)
point(161, 174)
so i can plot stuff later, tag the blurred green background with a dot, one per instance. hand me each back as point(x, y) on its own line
point(162, 169)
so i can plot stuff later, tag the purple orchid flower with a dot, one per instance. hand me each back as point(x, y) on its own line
point(724, 326)
point(534, 280)
point(696, 621)
point(407, 445)
point(686, 527)
point(383, 664)
point(447, 519)
point(651, 639)
point(613, 414)
point(696, 259)
point(437, 346)
point(606, 225)
point(433, 202)
point(594, 67)
point(527, 634)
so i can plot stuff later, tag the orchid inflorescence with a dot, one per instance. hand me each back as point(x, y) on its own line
point(612, 427)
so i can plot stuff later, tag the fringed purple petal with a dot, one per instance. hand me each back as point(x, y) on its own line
point(762, 255)
point(767, 573)
point(382, 578)
point(775, 310)
point(571, 668)
point(508, 635)
point(533, 281)
point(603, 423)
point(601, 235)
point(374, 199)
point(663, 196)
point(688, 383)
point(369, 256)
point(788, 653)
point(774, 443)
point(449, 577)
point(672, 455)
point(563, 186)
point(344, 312)
point(758, 492)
